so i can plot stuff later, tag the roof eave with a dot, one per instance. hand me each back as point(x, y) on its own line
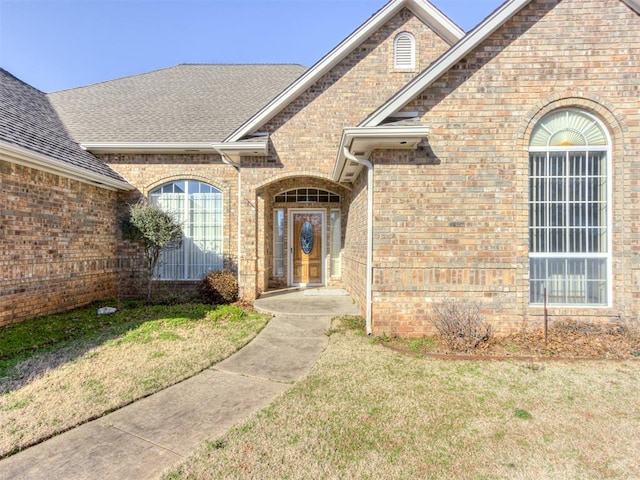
point(368, 139)
point(430, 15)
point(472, 40)
point(28, 158)
point(240, 148)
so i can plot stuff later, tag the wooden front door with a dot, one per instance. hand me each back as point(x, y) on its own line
point(307, 247)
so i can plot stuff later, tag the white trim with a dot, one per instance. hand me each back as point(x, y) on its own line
point(373, 134)
point(369, 266)
point(28, 158)
point(424, 10)
point(246, 148)
point(635, 4)
point(274, 267)
point(610, 212)
point(323, 214)
point(446, 61)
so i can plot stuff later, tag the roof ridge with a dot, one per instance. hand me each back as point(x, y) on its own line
point(244, 64)
point(141, 74)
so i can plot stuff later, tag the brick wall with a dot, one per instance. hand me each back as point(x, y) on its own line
point(453, 218)
point(354, 253)
point(58, 243)
point(305, 137)
point(148, 171)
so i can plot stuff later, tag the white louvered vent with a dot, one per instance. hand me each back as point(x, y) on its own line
point(404, 53)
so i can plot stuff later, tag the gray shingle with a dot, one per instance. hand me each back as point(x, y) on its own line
point(185, 103)
point(28, 120)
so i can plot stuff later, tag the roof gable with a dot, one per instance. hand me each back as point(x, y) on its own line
point(31, 128)
point(472, 40)
point(422, 9)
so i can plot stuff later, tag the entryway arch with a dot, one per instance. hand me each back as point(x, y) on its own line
point(303, 231)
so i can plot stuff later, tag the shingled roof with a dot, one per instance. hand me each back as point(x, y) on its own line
point(29, 121)
point(185, 103)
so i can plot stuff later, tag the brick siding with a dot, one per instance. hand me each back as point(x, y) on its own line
point(457, 224)
point(58, 243)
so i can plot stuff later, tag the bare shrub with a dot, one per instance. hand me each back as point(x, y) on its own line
point(460, 324)
point(219, 287)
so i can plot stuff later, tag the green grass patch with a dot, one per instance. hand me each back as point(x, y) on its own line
point(523, 414)
point(23, 340)
point(80, 365)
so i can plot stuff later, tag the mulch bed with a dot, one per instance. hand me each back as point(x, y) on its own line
point(565, 341)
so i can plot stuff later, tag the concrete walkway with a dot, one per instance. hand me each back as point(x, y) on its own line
point(143, 439)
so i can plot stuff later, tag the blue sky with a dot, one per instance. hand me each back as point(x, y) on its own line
point(59, 44)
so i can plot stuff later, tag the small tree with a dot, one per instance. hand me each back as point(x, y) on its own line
point(154, 230)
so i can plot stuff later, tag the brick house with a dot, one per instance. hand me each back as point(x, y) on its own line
point(412, 164)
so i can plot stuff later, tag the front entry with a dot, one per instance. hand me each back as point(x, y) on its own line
point(307, 247)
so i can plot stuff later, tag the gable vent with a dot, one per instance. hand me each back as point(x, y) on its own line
point(404, 51)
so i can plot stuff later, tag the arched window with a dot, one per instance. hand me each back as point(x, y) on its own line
point(569, 210)
point(198, 207)
point(307, 195)
point(404, 51)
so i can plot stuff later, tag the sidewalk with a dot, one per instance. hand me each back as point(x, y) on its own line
point(145, 438)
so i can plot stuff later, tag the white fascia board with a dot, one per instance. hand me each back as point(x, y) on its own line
point(27, 158)
point(421, 8)
point(167, 147)
point(446, 61)
point(373, 133)
point(417, 131)
point(635, 4)
point(437, 21)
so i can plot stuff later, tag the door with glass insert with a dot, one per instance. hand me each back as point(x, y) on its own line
point(307, 248)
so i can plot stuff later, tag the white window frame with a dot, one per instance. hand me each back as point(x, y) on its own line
point(607, 256)
point(335, 245)
point(279, 243)
point(185, 269)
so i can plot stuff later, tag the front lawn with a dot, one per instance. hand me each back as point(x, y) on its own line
point(367, 412)
point(60, 371)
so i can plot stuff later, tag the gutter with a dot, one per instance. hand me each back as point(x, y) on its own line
point(235, 165)
point(369, 263)
point(246, 148)
point(31, 159)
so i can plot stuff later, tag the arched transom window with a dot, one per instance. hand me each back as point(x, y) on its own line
point(198, 207)
point(569, 213)
point(307, 195)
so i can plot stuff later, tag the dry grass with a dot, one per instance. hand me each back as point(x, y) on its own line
point(367, 412)
point(51, 392)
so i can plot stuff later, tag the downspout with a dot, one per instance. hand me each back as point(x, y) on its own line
point(369, 266)
point(239, 252)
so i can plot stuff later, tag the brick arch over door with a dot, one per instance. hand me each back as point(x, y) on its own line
point(277, 265)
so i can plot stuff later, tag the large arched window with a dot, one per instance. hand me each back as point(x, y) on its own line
point(569, 213)
point(198, 207)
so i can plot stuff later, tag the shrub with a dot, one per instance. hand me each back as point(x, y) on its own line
point(218, 287)
point(460, 324)
point(154, 230)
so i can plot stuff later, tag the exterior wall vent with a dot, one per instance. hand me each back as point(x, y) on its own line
point(404, 51)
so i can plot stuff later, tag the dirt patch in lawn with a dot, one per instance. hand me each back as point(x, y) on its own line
point(565, 340)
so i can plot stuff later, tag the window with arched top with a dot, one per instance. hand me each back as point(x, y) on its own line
point(404, 51)
point(569, 210)
point(198, 207)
